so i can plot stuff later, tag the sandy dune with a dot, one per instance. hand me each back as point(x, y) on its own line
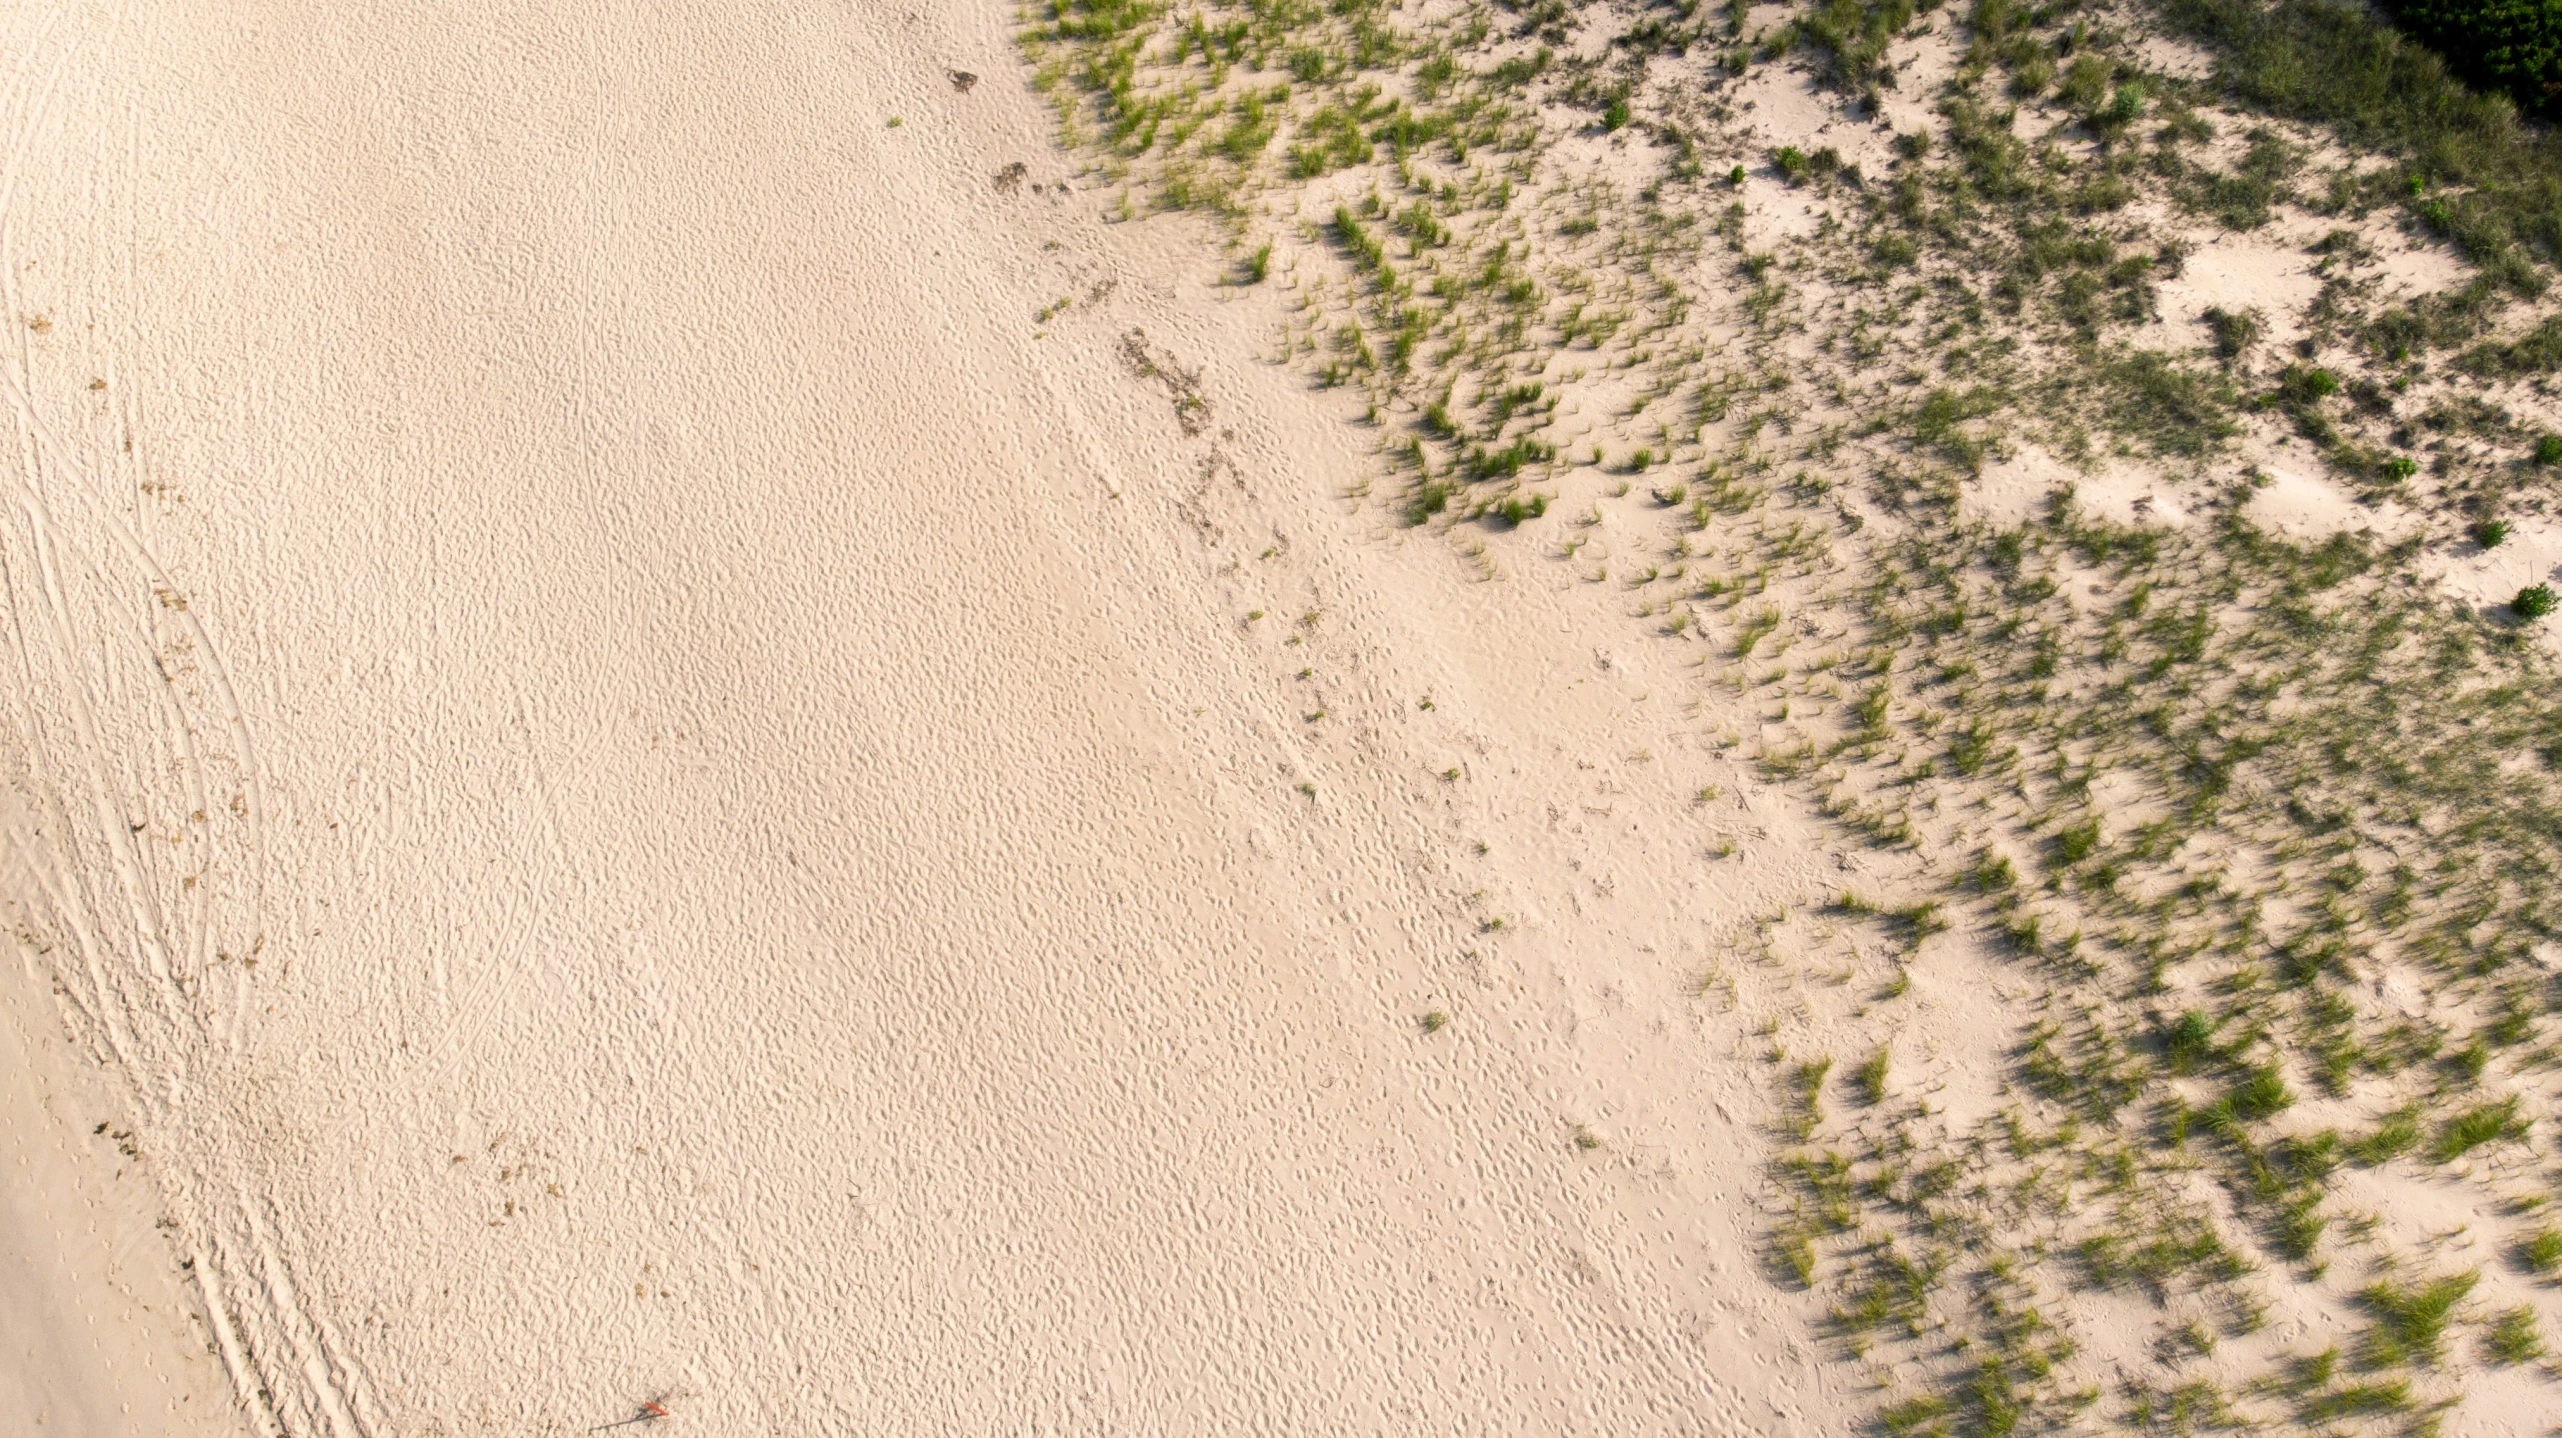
point(637, 783)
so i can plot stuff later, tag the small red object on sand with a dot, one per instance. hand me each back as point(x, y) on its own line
point(650, 1412)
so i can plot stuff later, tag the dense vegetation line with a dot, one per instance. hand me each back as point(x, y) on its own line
point(2211, 786)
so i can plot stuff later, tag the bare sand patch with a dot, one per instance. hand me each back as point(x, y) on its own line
point(2238, 273)
point(2531, 553)
point(2021, 486)
point(2294, 500)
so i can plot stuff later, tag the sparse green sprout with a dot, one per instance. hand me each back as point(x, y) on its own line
point(2513, 1338)
point(1872, 1078)
point(2490, 533)
point(1790, 162)
point(1428, 498)
point(2188, 1042)
point(2301, 1224)
point(1434, 1022)
point(1258, 266)
point(2533, 602)
point(2470, 1060)
point(2352, 1399)
point(1808, 1080)
point(1797, 1252)
point(1586, 1139)
point(1873, 710)
point(2263, 1094)
point(1614, 116)
point(1920, 1414)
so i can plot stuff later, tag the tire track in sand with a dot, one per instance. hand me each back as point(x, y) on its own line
point(283, 1364)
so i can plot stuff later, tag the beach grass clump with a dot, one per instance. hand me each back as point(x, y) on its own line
point(2482, 1124)
point(2541, 1251)
point(2409, 1320)
point(2514, 1337)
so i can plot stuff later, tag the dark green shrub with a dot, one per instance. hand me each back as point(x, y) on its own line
point(2490, 532)
point(2548, 450)
point(2303, 385)
point(2509, 45)
point(2122, 110)
point(2335, 64)
point(2533, 602)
